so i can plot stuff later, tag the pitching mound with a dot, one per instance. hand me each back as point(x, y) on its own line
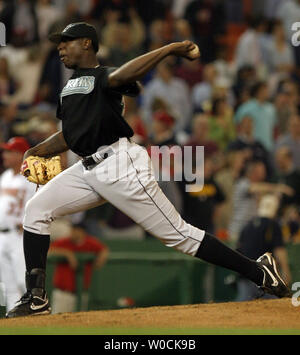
point(271, 314)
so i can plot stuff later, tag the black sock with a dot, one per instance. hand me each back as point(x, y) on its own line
point(35, 250)
point(217, 253)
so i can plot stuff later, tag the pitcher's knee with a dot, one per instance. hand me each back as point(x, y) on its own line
point(36, 218)
point(187, 239)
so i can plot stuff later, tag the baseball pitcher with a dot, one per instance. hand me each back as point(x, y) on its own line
point(112, 168)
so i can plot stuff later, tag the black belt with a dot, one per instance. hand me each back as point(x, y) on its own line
point(91, 161)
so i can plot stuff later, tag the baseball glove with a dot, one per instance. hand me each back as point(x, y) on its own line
point(41, 170)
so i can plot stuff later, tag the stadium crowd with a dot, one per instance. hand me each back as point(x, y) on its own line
point(240, 101)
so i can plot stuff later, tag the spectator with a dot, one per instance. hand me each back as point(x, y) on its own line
point(288, 175)
point(163, 129)
point(27, 74)
point(200, 139)
point(245, 79)
point(262, 234)
point(247, 190)
point(200, 136)
point(203, 91)
point(221, 90)
point(290, 87)
point(252, 148)
point(207, 19)
point(263, 114)
point(123, 46)
point(183, 31)
point(173, 91)
point(201, 208)
point(124, 39)
point(250, 48)
point(64, 279)
point(157, 35)
point(290, 221)
point(163, 136)
point(51, 79)
point(292, 139)
point(226, 178)
point(222, 129)
point(285, 102)
point(225, 69)
point(280, 54)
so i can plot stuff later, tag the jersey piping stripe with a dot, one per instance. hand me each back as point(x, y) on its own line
point(185, 237)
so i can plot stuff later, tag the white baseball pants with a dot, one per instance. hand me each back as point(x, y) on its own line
point(126, 180)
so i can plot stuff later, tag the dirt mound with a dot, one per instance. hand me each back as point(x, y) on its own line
point(261, 314)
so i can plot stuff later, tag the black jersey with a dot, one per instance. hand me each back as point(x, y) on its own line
point(91, 112)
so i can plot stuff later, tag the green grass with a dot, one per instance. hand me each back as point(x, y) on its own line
point(142, 331)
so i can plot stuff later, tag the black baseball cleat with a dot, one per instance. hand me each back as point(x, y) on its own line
point(34, 301)
point(30, 304)
point(272, 283)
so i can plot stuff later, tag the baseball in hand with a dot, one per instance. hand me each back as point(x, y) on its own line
point(194, 53)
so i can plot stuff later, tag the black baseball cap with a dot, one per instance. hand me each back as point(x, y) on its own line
point(77, 30)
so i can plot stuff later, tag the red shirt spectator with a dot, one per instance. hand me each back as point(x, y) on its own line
point(79, 242)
